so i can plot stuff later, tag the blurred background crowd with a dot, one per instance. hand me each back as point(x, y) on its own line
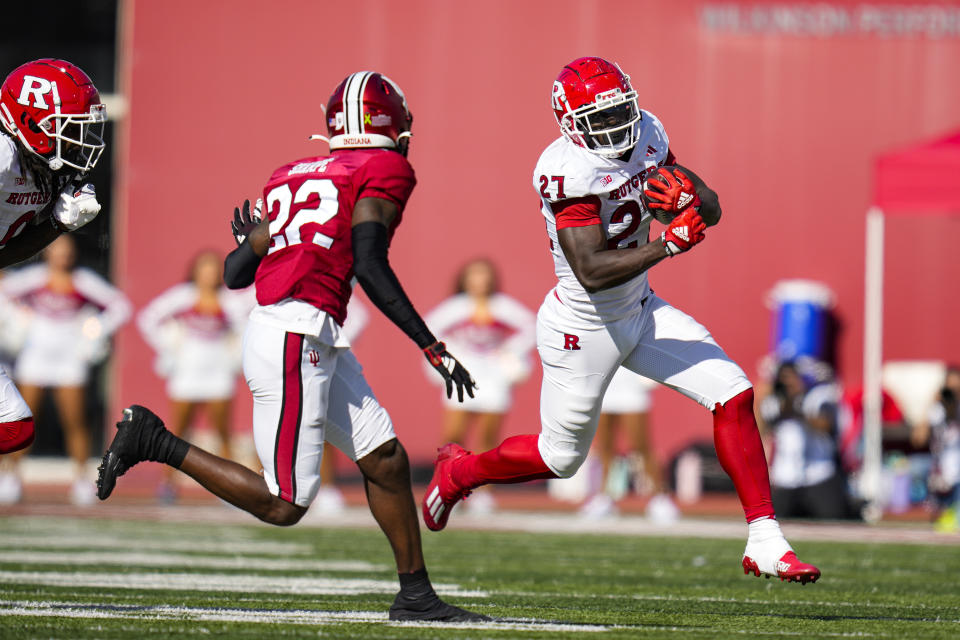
point(794, 103)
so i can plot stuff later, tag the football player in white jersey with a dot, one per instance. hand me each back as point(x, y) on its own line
point(52, 130)
point(601, 183)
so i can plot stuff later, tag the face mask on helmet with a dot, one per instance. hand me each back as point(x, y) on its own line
point(608, 127)
point(79, 139)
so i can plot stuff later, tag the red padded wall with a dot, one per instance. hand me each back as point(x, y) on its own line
point(784, 127)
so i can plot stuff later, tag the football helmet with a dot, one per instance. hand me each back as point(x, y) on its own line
point(367, 109)
point(52, 107)
point(596, 107)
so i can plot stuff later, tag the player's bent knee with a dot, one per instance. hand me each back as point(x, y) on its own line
point(283, 513)
point(565, 464)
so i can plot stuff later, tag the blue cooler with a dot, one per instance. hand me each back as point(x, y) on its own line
point(801, 322)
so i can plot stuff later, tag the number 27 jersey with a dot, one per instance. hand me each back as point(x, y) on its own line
point(578, 188)
point(310, 206)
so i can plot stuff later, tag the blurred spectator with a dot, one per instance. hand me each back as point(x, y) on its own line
point(329, 500)
point(626, 407)
point(942, 432)
point(800, 417)
point(69, 314)
point(492, 335)
point(195, 328)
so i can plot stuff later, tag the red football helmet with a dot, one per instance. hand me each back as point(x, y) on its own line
point(596, 107)
point(367, 109)
point(52, 107)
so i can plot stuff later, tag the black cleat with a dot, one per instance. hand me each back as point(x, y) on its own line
point(430, 608)
point(140, 436)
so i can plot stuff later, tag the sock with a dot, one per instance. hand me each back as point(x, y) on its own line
point(158, 444)
point(517, 459)
point(415, 585)
point(16, 435)
point(740, 451)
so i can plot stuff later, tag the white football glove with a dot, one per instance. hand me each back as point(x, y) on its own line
point(76, 207)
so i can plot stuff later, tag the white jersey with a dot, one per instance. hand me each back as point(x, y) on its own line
point(197, 351)
point(494, 351)
point(568, 174)
point(65, 331)
point(20, 199)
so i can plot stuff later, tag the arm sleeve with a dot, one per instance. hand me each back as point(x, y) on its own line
point(380, 283)
point(576, 212)
point(240, 267)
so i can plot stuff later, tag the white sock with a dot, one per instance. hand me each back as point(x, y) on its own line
point(766, 544)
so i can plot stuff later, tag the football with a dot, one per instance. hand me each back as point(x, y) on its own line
point(661, 215)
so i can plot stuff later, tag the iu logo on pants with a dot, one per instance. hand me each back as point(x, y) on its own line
point(571, 342)
point(314, 357)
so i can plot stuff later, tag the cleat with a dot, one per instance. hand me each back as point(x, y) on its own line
point(788, 568)
point(442, 494)
point(430, 608)
point(139, 433)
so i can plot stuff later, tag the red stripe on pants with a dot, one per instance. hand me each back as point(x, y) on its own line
point(285, 451)
point(16, 435)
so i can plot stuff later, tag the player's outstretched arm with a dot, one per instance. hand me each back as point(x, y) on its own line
point(26, 245)
point(371, 219)
point(598, 267)
point(709, 200)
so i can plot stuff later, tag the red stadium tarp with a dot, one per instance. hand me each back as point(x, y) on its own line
point(920, 179)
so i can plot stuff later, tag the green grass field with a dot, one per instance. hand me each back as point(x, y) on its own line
point(90, 578)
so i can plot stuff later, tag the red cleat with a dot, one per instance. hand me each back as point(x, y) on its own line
point(442, 493)
point(788, 568)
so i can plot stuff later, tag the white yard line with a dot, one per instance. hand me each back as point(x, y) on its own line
point(303, 617)
point(221, 582)
point(141, 543)
point(174, 560)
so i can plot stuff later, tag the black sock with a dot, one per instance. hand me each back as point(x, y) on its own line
point(159, 445)
point(415, 584)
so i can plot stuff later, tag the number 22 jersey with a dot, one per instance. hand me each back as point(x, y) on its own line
point(310, 203)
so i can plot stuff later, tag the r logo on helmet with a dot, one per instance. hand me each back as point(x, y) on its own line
point(559, 97)
point(38, 87)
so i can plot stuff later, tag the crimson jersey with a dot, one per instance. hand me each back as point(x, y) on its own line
point(310, 206)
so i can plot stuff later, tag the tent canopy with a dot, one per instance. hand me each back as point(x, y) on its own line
point(920, 179)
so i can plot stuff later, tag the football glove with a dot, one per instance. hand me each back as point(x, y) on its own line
point(669, 189)
point(686, 230)
point(452, 371)
point(244, 221)
point(76, 206)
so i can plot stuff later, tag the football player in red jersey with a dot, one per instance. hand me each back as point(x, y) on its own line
point(328, 219)
point(600, 185)
point(52, 129)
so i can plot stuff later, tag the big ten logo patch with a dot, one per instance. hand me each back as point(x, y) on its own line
point(571, 342)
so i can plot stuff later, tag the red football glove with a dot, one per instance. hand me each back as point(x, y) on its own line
point(670, 190)
point(686, 230)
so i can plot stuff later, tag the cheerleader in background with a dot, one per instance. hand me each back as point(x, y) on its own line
point(626, 407)
point(492, 335)
point(195, 328)
point(68, 314)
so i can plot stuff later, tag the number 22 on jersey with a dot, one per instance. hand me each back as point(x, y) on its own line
point(287, 230)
